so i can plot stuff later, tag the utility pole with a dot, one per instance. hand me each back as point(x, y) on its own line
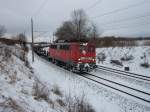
point(53, 38)
point(24, 32)
point(32, 40)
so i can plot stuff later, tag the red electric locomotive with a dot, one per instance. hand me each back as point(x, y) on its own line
point(76, 56)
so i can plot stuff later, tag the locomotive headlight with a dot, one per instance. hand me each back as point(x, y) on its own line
point(93, 59)
point(79, 59)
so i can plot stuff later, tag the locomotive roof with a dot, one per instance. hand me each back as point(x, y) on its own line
point(66, 43)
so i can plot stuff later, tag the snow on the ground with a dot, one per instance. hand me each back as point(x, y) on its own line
point(102, 99)
point(116, 53)
point(17, 85)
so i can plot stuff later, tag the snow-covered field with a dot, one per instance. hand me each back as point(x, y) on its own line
point(139, 55)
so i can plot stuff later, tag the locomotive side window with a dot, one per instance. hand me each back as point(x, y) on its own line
point(67, 47)
point(82, 48)
point(64, 47)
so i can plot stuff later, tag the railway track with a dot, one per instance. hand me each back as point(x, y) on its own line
point(133, 92)
point(124, 73)
point(141, 95)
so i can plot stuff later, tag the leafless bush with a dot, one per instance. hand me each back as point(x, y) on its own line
point(101, 57)
point(145, 61)
point(27, 64)
point(22, 39)
point(78, 104)
point(41, 91)
point(6, 52)
point(61, 102)
point(12, 105)
point(22, 55)
point(117, 62)
point(145, 65)
point(51, 103)
point(13, 78)
point(56, 90)
point(127, 58)
point(2, 67)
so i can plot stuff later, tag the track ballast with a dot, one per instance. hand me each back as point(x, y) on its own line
point(145, 94)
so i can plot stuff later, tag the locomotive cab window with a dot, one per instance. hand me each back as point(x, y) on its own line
point(82, 48)
point(54, 46)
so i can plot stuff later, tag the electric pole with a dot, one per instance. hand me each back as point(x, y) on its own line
point(32, 40)
point(53, 38)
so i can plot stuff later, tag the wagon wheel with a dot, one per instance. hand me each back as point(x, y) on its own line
point(72, 69)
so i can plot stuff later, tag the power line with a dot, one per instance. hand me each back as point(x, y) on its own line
point(95, 4)
point(32, 40)
point(41, 33)
point(126, 19)
point(121, 9)
point(124, 27)
point(128, 26)
point(40, 8)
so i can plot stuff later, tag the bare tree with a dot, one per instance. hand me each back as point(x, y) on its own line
point(2, 30)
point(22, 40)
point(93, 32)
point(78, 28)
point(79, 20)
point(66, 31)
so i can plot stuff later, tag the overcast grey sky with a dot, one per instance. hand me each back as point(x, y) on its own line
point(133, 18)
